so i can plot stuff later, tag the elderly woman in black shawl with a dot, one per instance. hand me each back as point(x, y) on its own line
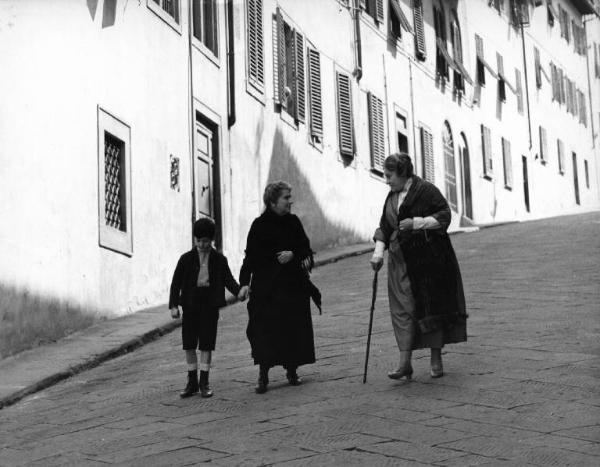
point(275, 272)
point(427, 303)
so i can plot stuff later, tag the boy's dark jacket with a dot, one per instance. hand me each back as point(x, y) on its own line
point(184, 280)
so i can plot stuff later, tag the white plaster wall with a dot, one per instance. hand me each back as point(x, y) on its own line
point(134, 69)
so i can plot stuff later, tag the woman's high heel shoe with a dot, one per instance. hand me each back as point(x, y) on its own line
point(437, 371)
point(407, 372)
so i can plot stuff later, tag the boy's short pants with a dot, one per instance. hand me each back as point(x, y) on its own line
point(199, 325)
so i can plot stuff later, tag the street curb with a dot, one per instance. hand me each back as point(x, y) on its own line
point(122, 349)
point(133, 344)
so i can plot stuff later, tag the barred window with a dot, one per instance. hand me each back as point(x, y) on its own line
point(114, 184)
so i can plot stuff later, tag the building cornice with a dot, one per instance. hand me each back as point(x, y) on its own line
point(586, 7)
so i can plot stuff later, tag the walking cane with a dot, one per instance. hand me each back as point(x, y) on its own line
point(370, 325)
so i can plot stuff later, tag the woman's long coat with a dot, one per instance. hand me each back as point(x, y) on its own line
point(431, 263)
point(280, 323)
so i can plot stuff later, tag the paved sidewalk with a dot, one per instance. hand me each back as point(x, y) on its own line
point(39, 368)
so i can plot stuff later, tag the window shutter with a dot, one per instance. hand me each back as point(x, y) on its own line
point(314, 93)
point(427, 155)
point(561, 156)
point(507, 161)
point(344, 110)
point(543, 145)
point(421, 51)
point(363, 4)
point(561, 85)
point(519, 91)
point(479, 54)
point(376, 131)
point(554, 76)
point(300, 97)
point(279, 59)
point(538, 72)
point(255, 52)
point(501, 80)
point(486, 145)
point(379, 11)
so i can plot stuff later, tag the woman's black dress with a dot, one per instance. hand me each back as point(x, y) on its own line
point(280, 324)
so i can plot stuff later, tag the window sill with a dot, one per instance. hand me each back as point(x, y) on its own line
point(508, 188)
point(162, 14)
point(206, 52)
point(315, 144)
point(287, 118)
point(255, 91)
point(488, 177)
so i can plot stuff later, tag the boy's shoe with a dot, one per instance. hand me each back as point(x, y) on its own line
point(205, 390)
point(263, 380)
point(192, 385)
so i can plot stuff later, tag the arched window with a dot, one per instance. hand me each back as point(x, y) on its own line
point(449, 166)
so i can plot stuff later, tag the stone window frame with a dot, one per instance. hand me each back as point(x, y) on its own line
point(120, 241)
point(158, 9)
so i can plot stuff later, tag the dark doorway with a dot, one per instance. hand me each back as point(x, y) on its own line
point(207, 189)
point(525, 183)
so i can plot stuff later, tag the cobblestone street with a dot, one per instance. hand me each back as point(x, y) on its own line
point(524, 390)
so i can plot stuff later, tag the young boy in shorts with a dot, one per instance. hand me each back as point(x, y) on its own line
point(198, 286)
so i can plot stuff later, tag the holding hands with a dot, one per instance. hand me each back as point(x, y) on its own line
point(243, 293)
point(175, 312)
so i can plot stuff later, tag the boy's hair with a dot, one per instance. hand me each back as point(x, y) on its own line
point(204, 228)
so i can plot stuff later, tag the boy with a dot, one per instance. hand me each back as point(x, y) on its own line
point(198, 285)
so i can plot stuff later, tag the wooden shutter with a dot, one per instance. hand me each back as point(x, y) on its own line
point(279, 59)
point(427, 155)
point(538, 71)
point(543, 145)
point(344, 114)
point(376, 131)
point(255, 57)
point(379, 11)
point(554, 77)
point(420, 49)
point(314, 93)
point(501, 79)
point(507, 161)
point(300, 94)
point(519, 86)
point(561, 156)
point(486, 146)
point(480, 64)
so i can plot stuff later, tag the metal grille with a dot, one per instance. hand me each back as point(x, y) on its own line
point(113, 187)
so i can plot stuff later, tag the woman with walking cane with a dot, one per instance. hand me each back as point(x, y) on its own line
point(275, 273)
point(425, 291)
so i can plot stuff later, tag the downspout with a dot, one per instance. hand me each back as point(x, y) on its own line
point(191, 112)
point(357, 44)
point(526, 85)
point(587, 61)
point(230, 67)
point(412, 113)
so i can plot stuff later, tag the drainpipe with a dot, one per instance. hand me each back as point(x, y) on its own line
point(230, 67)
point(357, 45)
point(526, 85)
point(412, 118)
point(587, 61)
point(191, 112)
